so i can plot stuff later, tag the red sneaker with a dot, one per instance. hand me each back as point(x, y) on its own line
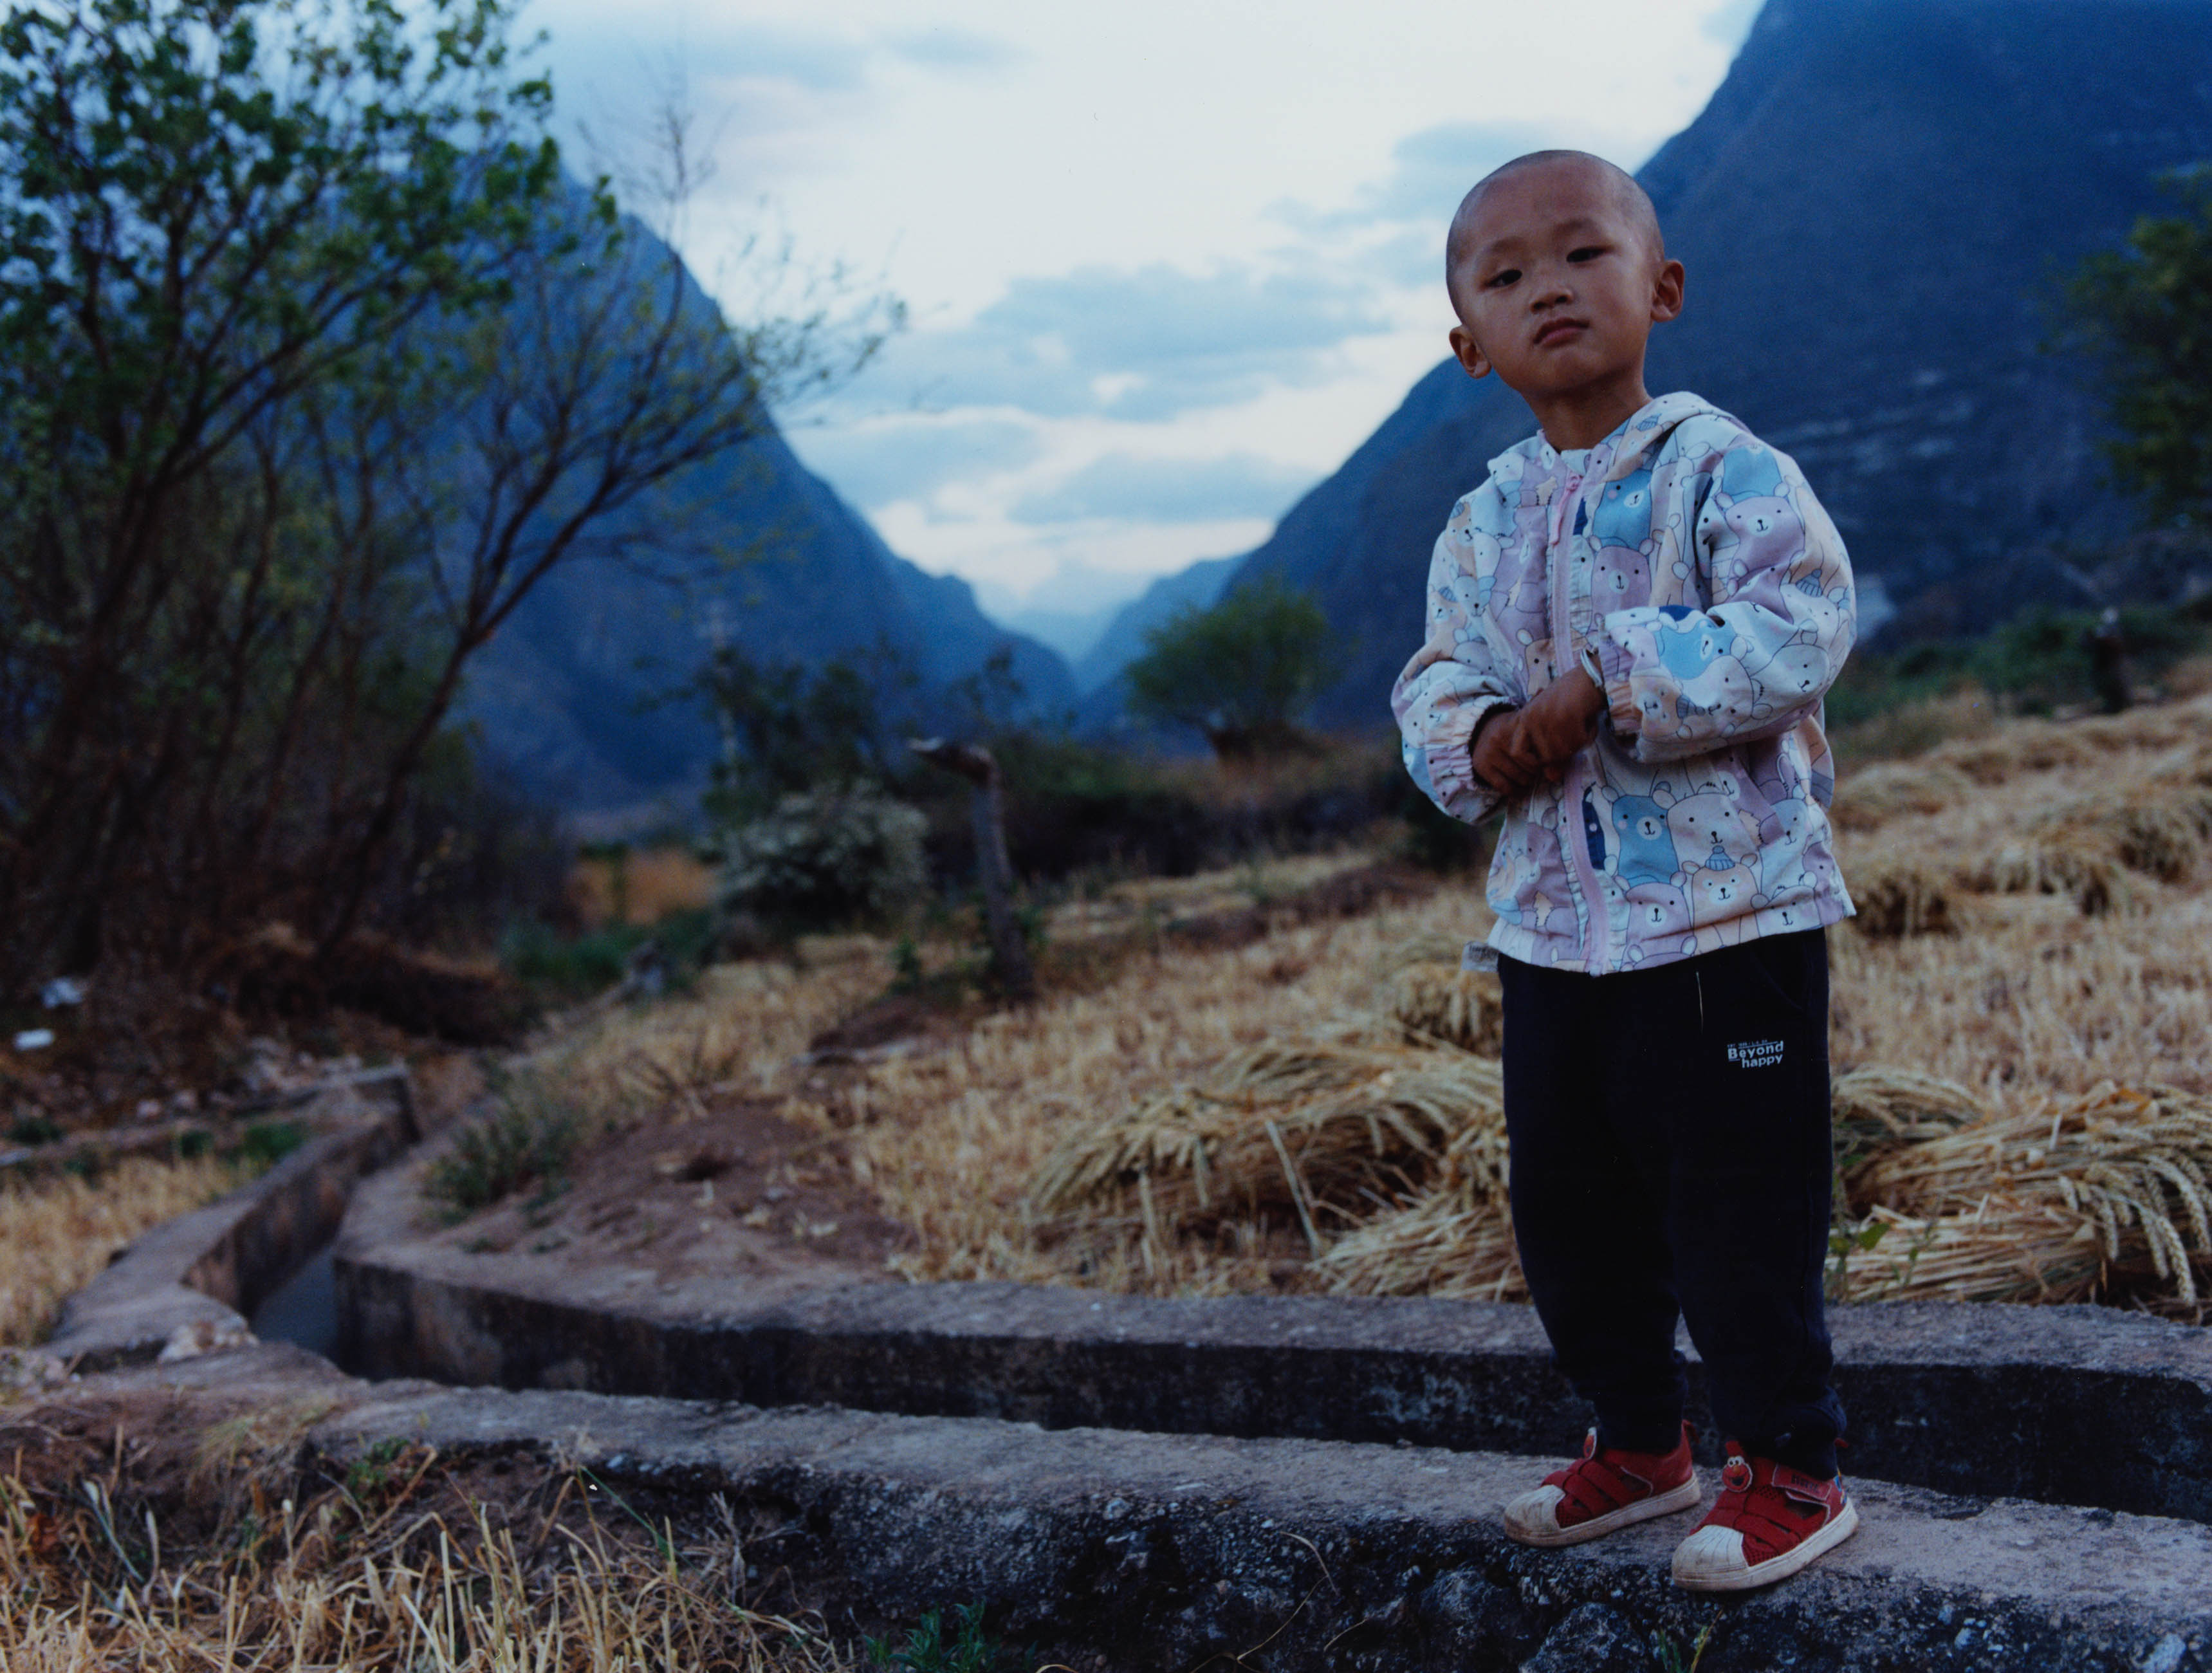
point(1769, 1522)
point(1608, 1489)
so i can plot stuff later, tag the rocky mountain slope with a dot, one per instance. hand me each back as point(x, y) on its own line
point(1876, 211)
point(751, 548)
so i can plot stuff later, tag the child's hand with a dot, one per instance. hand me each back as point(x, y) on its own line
point(1559, 724)
point(1496, 754)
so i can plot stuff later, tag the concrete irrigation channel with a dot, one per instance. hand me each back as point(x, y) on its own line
point(1263, 1482)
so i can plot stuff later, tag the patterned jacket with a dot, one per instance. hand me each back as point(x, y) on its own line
point(1693, 561)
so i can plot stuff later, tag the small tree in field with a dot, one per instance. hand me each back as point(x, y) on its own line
point(1241, 672)
point(2146, 309)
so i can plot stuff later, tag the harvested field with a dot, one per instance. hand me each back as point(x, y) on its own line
point(1274, 1097)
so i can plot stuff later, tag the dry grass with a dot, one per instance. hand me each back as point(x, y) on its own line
point(738, 1030)
point(58, 1234)
point(1311, 1111)
point(389, 1569)
point(2109, 1194)
point(957, 1135)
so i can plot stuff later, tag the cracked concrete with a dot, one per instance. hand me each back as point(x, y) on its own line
point(188, 1285)
point(1163, 1550)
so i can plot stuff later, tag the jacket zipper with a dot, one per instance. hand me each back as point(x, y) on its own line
point(1597, 933)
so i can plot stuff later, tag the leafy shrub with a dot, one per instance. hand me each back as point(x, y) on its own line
point(934, 1647)
point(2037, 661)
point(529, 1140)
point(825, 859)
point(1072, 806)
point(266, 1143)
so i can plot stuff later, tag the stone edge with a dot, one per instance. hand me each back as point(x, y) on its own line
point(1173, 1550)
point(192, 1281)
point(2039, 1382)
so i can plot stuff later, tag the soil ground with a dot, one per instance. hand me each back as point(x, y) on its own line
point(720, 1186)
point(724, 1188)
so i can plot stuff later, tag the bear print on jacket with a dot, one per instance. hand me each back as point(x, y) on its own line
point(1694, 567)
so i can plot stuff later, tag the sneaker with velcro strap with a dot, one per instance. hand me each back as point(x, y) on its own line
point(1770, 1521)
point(1605, 1489)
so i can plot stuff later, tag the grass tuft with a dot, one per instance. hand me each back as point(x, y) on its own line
point(528, 1139)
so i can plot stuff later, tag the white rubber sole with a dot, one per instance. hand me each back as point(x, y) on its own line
point(1682, 1498)
point(1774, 1568)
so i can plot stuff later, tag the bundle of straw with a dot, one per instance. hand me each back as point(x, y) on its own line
point(2025, 747)
point(1431, 947)
point(2160, 828)
point(1877, 1110)
point(2112, 1188)
point(1331, 1131)
point(1455, 1239)
point(1879, 793)
point(1449, 1005)
point(1899, 895)
point(2006, 1249)
point(2084, 870)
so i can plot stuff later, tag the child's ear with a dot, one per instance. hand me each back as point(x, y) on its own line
point(1667, 292)
point(1469, 353)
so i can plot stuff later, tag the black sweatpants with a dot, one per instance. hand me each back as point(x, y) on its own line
point(1670, 1153)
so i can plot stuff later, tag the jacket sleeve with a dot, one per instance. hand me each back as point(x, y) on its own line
point(1681, 680)
point(1457, 677)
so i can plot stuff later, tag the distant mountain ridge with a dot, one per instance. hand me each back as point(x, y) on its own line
point(564, 698)
point(1874, 210)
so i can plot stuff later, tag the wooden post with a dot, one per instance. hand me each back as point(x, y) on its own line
point(1010, 949)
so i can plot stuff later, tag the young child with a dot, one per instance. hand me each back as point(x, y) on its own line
point(1630, 626)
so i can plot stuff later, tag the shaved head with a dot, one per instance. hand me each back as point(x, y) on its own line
point(1630, 198)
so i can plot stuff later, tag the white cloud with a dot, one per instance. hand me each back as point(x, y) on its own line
point(1142, 345)
point(1153, 231)
point(881, 461)
point(1166, 490)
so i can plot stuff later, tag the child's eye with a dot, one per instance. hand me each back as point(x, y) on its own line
point(1587, 253)
point(1496, 280)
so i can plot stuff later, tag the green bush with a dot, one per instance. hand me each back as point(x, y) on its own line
point(1242, 671)
point(828, 858)
point(2037, 662)
point(266, 1143)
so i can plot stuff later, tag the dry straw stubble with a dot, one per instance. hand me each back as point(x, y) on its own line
point(58, 1232)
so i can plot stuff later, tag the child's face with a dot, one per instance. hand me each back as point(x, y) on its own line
point(1557, 284)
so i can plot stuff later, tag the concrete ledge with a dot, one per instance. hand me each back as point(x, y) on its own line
point(203, 1272)
point(1174, 1551)
point(2071, 1405)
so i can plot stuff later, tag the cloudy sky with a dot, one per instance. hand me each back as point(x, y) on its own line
point(1166, 261)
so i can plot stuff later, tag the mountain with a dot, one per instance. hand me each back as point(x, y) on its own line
point(751, 548)
point(564, 696)
point(1876, 211)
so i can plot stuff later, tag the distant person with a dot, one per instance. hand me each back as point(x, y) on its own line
point(1630, 627)
point(2108, 664)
